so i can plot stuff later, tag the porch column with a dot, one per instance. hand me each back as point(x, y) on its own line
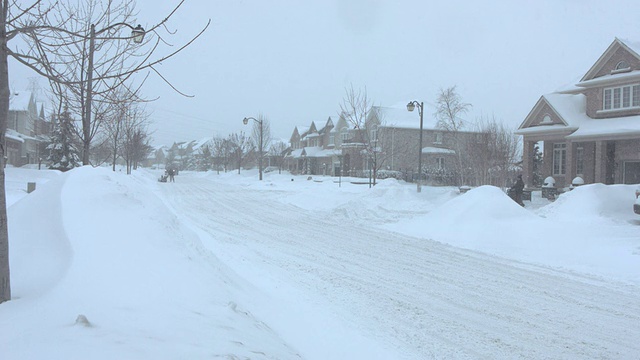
point(599, 171)
point(527, 162)
point(571, 164)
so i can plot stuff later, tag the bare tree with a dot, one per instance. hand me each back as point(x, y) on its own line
point(204, 158)
point(277, 151)
point(57, 42)
point(81, 49)
point(135, 141)
point(449, 108)
point(241, 146)
point(220, 152)
point(494, 153)
point(261, 137)
point(357, 108)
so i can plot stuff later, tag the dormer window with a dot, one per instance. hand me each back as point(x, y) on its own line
point(622, 97)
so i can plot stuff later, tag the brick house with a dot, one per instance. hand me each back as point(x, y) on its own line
point(314, 151)
point(590, 129)
point(388, 141)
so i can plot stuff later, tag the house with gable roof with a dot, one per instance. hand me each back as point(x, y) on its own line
point(313, 150)
point(388, 140)
point(591, 129)
point(27, 129)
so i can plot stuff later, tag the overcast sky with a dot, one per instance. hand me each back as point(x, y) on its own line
point(292, 60)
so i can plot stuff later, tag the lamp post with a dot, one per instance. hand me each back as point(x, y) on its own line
point(410, 106)
point(246, 121)
point(137, 35)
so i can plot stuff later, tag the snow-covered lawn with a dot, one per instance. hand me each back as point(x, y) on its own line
point(224, 266)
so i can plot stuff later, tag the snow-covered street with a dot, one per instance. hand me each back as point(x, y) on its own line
point(421, 298)
point(225, 266)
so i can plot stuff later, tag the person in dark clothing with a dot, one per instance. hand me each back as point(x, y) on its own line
point(517, 189)
point(172, 173)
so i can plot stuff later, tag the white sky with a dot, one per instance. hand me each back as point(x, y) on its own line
point(291, 60)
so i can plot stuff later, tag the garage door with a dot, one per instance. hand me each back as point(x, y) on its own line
point(631, 174)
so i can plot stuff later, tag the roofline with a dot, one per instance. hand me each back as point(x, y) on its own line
point(606, 55)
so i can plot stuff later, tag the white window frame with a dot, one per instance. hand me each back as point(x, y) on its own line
point(440, 163)
point(332, 139)
point(438, 138)
point(580, 160)
point(621, 97)
point(344, 134)
point(559, 159)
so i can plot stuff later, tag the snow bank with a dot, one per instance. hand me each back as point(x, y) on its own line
point(595, 202)
point(101, 245)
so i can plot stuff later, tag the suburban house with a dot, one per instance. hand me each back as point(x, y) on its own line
point(388, 142)
point(591, 129)
point(27, 130)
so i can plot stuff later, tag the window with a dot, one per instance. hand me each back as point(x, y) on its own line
point(373, 136)
point(344, 134)
point(580, 160)
point(332, 139)
point(546, 119)
point(438, 139)
point(559, 159)
point(621, 97)
point(622, 65)
point(440, 163)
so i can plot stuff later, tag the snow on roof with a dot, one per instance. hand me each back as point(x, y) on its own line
point(544, 130)
point(202, 142)
point(314, 151)
point(19, 101)
point(13, 135)
point(571, 108)
point(436, 150)
point(633, 45)
point(621, 127)
point(399, 116)
point(610, 78)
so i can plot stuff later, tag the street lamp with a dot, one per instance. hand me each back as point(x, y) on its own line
point(137, 35)
point(246, 121)
point(410, 106)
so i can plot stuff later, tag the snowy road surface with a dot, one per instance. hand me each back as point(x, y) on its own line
point(416, 297)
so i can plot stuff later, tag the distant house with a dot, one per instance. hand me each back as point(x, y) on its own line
point(313, 150)
point(590, 129)
point(388, 141)
point(27, 130)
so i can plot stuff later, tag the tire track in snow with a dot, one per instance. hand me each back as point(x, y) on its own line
point(429, 299)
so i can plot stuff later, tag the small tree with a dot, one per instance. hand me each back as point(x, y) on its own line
point(63, 154)
point(537, 166)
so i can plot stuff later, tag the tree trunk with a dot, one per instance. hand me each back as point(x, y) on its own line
point(5, 278)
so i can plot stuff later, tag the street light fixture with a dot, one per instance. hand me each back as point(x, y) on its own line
point(246, 121)
point(410, 106)
point(137, 35)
